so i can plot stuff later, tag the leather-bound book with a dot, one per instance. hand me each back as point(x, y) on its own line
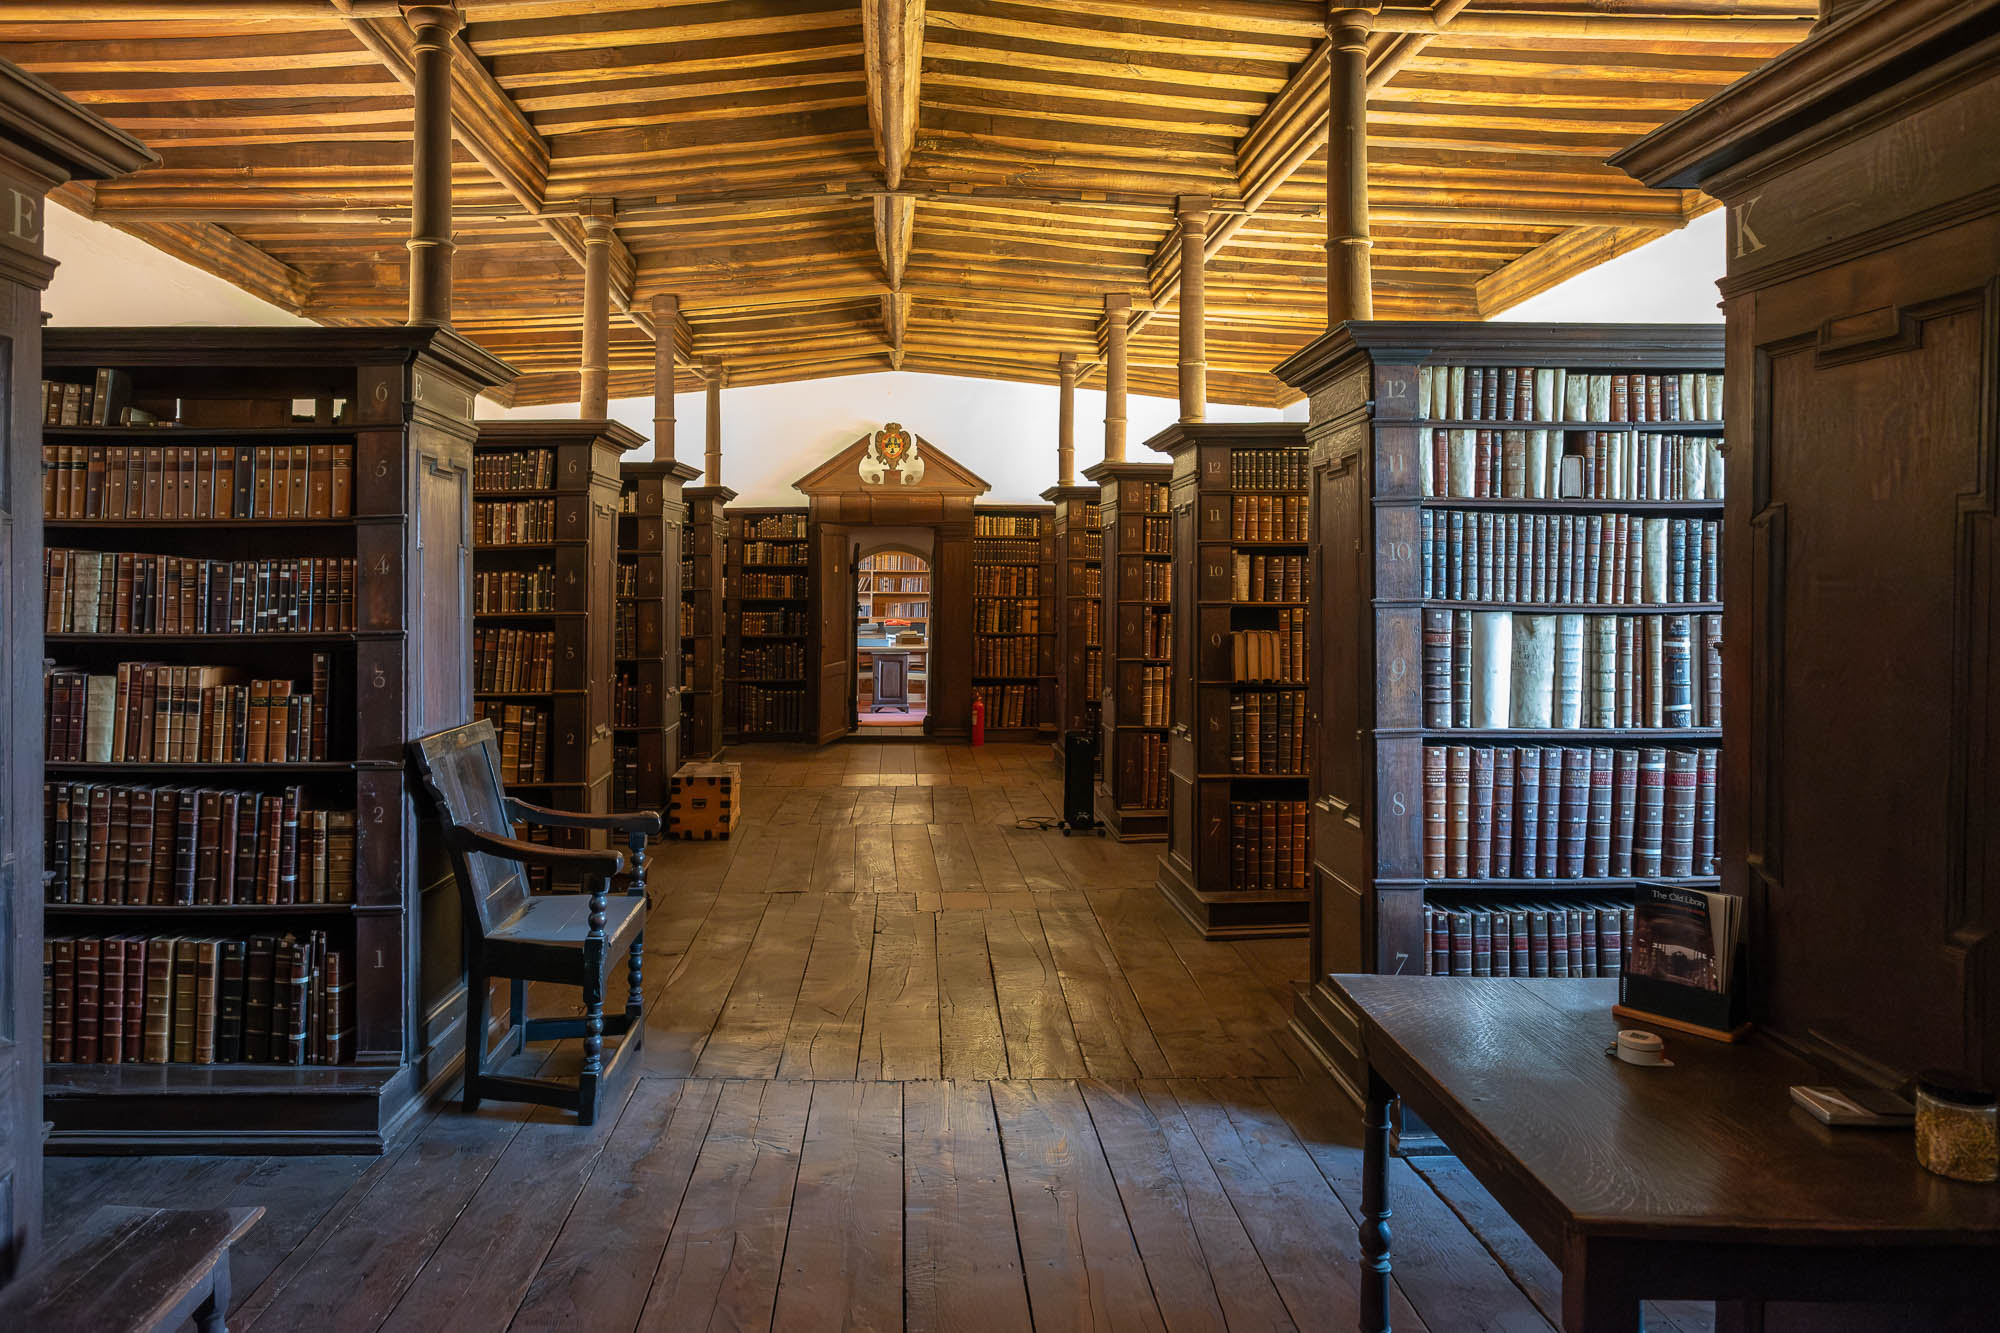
point(1575, 810)
point(1602, 709)
point(260, 961)
point(1437, 931)
point(1461, 944)
point(1503, 814)
point(186, 972)
point(1706, 767)
point(342, 488)
point(230, 980)
point(111, 1000)
point(1574, 932)
point(1482, 942)
point(1458, 811)
point(158, 1045)
point(1676, 672)
point(244, 883)
point(88, 978)
point(59, 961)
point(301, 463)
point(1597, 842)
point(1434, 811)
point(117, 846)
point(1437, 668)
point(288, 847)
point(1610, 941)
point(1528, 811)
point(1538, 941)
point(1267, 848)
point(1481, 835)
point(1624, 809)
point(1677, 829)
point(1647, 825)
point(244, 502)
point(133, 1025)
point(1517, 922)
point(270, 847)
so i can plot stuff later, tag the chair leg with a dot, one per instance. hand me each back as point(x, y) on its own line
point(517, 1013)
point(477, 984)
point(593, 1014)
point(635, 981)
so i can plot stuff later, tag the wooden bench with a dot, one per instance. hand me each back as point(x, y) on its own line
point(131, 1270)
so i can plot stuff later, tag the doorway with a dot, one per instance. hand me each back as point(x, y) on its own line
point(892, 638)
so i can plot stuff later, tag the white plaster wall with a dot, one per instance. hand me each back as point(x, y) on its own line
point(109, 278)
point(1668, 281)
point(773, 434)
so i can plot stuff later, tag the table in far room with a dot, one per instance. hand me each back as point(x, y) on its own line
point(1702, 1181)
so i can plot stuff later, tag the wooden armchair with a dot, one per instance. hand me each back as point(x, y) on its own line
point(562, 938)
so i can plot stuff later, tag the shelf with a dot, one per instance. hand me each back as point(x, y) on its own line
point(1259, 544)
point(1642, 427)
point(307, 638)
point(1532, 886)
point(1259, 684)
point(524, 694)
point(233, 769)
point(197, 909)
point(1595, 735)
point(1557, 608)
point(216, 525)
point(299, 431)
point(1253, 777)
point(1580, 503)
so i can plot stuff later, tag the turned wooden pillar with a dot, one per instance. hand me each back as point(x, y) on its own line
point(712, 367)
point(1066, 423)
point(430, 205)
point(1350, 290)
point(1192, 213)
point(595, 398)
point(666, 327)
point(1117, 328)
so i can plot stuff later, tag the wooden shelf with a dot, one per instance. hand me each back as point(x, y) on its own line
point(1132, 786)
point(646, 704)
point(1019, 697)
point(786, 706)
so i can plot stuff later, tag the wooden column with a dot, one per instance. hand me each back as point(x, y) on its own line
point(1349, 281)
point(595, 397)
point(712, 367)
point(430, 207)
point(1066, 423)
point(666, 327)
point(1117, 329)
point(1192, 213)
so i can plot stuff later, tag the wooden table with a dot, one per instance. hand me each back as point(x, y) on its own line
point(1699, 1182)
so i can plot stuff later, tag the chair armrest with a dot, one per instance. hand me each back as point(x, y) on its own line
point(584, 861)
point(624, 821)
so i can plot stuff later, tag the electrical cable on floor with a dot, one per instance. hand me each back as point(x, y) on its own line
point(1042, 822)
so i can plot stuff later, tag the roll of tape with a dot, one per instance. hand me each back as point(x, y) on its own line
point(1641, 1048)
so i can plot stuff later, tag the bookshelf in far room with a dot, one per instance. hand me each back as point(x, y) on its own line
point(545, 557)
point(244, 630)
point(1079, 573)
point(1013, 620)
point(1517, 556)
point(1137, 577)
point(645, 693)
point(704, 544)
point(765, 655)
point(1236, 855)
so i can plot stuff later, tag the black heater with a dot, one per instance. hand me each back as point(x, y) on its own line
point(1079, 782)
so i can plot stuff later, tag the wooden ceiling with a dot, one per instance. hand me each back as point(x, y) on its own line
point(951, 186)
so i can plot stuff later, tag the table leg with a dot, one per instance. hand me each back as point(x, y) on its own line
point(1599, 1307)
point(212, 1315)
point(1375, 1206)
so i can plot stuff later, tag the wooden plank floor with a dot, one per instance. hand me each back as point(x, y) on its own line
point(912, 1061)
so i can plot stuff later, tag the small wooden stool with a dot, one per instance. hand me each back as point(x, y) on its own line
point(133, 1270)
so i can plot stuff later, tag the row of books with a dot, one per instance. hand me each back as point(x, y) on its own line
point(1144, 758)
point(773, 553)
point(1267, 732)
point(1006, 580)
point(1267, 578)
point(513, 470)
point(162, 999)
point(1269, 518)
point(105, 400)
point(1570, 559)
point(513, 522)
point(767, 622)
point(197, 481)
point(780, 527)
point(625, 631)
point(513, 591)
point(1088, 619)
point(1557, 394)
point(1487, 669)
point(625, 777)
point(770, 712)
point(1006, 617)
point(895, 562)
point(628, 698)
point(513, 660)
point(185, 846)
point(1268, 469)
point(774, 587)
point(1268, 846)
point(1004, 657)
point(1275, 655)
point(1157, 535)
point(1093, 672)
point(1086, 545)
point(1156, 632)
point(1529, 939)
point(897, 583)
point(1557, 812)
point(1153, 498)
point(1006, 525)
point(772, 661)
point(625, 579)
point(1155, 697)
point(1086, 580)
point(133, 592)
point(151, 712)
point(1554, 465)
point(524, 738)
point(1155, 581)
point(1008, 705)
point(991, 552)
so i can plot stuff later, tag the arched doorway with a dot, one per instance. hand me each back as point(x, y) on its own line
point(892, 640)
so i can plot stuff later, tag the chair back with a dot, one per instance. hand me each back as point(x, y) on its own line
point(460, 770)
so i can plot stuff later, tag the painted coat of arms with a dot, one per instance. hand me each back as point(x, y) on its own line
point(892, 448)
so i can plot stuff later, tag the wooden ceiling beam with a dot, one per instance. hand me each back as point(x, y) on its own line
point(1597, 25)
point(892, 35)
point(895, 229)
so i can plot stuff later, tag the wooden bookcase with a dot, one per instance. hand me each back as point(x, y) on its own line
point(396, 404)
point(1395, 456)
point(766, 662)
point(1236, 857)
point(645, 699)
point(545, 513)
point(703, 619)
point(1014, 620)
point(1138, 611)
point(1079, 570)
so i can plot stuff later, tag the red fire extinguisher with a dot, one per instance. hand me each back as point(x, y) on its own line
point(979, 722)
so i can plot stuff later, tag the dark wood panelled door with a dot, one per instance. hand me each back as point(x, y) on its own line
point(833, 584)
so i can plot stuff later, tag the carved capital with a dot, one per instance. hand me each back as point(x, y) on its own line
point(434, 25)
point(1349, 24)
